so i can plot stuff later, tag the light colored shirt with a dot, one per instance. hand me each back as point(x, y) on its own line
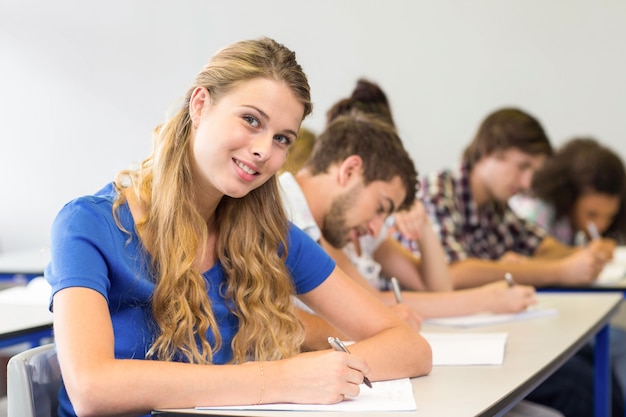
point(299, 214)
point(544, 216)
point(296, 206)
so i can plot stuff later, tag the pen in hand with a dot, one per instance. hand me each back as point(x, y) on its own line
point(338, 345)
point(593, 231)
point(396, 289)
point(509, 279)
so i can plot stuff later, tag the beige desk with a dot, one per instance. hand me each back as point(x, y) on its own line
point(21, 266)
point(535, 349)
point(24, 323)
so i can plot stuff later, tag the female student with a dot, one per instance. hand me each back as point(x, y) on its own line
point(579, 195)
point(172, 285)
point(580, 190)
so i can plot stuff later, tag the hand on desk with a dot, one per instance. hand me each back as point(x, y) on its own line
point(583, 266)
point(498, 297)
point(409, 315)
point(603, 248)
point(322, 377)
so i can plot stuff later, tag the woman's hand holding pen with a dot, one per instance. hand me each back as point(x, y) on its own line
point(603, 248)
point(500, 297)
point(322, 377)
point(583, 266)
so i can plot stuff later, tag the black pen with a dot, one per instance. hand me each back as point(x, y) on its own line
point(396, 289)
point(338, 345)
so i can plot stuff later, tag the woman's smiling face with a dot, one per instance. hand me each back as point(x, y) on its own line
point(241, 139)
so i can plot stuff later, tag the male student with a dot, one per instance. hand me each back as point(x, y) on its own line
point(482, 238)
point(332, 200)
point(341, 194)
point(358, 174)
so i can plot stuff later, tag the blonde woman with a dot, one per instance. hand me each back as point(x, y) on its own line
point(172, 285)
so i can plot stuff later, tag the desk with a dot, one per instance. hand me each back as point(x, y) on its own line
point(24, 323)
point(535, 349)
point(21, 266)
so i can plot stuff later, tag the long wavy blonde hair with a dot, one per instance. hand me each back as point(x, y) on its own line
point(250, 230)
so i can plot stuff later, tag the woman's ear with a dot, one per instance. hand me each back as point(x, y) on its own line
point(349, 169)
point(200, 97)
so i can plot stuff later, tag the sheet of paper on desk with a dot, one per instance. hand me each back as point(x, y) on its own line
point(611, 273)
point(394, 395)
point(36, 292)
point(485, 319)
point(467, 348)
point(615, 270)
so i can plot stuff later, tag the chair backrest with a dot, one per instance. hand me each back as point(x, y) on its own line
point(33, 381)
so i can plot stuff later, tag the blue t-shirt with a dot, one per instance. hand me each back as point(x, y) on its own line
point(89, 250)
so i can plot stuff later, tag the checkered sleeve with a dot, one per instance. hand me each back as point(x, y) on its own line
point(528, 234)
point(438, 196)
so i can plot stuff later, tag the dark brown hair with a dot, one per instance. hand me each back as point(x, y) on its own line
point(507, 128)
point(367, 97)
point(579, 166)
point(373, 139)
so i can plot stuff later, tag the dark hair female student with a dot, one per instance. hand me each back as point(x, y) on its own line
point(584, 182)
point(172, 286)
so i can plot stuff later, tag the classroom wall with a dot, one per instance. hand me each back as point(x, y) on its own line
point(82, 83)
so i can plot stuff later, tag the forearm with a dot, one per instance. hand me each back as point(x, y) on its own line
point(551, 248)
point(397, 352)
point(116, 387)
point(446, 303)
point(317, 330)
point(426, 273)
point(475, 272)
point(391, 347)
point(433, 267)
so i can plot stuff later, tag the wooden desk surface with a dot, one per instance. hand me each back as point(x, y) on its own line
point(535, 348)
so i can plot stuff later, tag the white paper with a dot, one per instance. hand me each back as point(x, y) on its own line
point(485, 319)
point(36, 292)
point(614, 271)
point(611, 273)
point(467, 348)
point(394, 395)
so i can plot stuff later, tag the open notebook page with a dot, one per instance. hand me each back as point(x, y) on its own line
point(486, 319)
point(393, 395)
point(467, 348)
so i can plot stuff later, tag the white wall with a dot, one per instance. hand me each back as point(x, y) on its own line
point(82, 83)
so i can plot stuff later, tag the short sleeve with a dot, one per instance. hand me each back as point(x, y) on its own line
point(307, 262)
point(79, 236)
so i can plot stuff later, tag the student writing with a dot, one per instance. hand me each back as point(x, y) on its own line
point(173, 285)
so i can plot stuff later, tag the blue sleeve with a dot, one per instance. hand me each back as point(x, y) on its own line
point(308, 263)
point(80, 245)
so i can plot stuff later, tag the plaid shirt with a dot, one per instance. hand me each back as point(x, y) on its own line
point(464, 231)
